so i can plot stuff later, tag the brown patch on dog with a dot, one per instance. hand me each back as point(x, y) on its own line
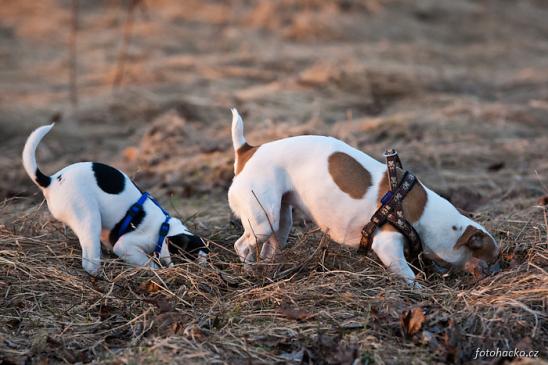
point(483, 247)
point(243, 154)
point(349, 175)
point(413, 203)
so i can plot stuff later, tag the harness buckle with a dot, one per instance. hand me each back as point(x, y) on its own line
point(390, 153)
point(386, 198)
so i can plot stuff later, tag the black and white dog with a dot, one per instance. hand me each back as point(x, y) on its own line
point(96, 202)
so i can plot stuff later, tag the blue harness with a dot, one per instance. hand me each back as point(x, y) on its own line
point(136, 209)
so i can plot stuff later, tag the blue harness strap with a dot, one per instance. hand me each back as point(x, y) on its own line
point(164, 227)
point(132, 213)
point(138, 207)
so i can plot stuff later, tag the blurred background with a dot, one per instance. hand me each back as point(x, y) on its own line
point(459, 87)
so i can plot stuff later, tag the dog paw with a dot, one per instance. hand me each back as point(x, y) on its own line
point(269, 252)
point(92, 268)
point(413, 283)
point(247, 254)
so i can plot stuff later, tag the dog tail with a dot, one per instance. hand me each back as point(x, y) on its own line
point(29, 156)
point(238, 138)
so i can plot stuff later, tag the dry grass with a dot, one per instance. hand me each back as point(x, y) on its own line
point(322, 304)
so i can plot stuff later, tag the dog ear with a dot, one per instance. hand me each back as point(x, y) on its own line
point(472, 237)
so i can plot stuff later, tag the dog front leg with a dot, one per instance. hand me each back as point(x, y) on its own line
point(270, 249)
point(389, 247)
point(165, 256)
point(246, 248)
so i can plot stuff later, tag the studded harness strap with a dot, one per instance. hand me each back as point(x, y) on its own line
point(391, 210)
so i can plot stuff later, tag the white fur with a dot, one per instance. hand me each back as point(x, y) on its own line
point(238, 138)
point(91, 213)
point(293, 172)
point(29, 152)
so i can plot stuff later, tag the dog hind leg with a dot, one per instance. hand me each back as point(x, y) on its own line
point(87, 226)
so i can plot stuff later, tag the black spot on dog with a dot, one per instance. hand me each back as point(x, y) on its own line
point(114, 234)
point(42, 179)
point(109, 179)
point(187, 244)
point(59, 177)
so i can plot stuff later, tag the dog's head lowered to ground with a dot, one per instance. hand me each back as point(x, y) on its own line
point(103, 206)
point(188, 245)
point(340, 188)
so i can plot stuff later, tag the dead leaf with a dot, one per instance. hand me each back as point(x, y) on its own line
point(347, 296)
point(130, 154)
point(170, 323)
point(195, 333)
point(294, 313)
point(411, 320)
point(150, 287)
point(543, 200)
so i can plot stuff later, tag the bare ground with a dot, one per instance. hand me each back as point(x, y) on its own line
point(460, 88)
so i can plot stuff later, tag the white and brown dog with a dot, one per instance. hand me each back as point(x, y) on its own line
point(340, 188)
point(93, 198)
